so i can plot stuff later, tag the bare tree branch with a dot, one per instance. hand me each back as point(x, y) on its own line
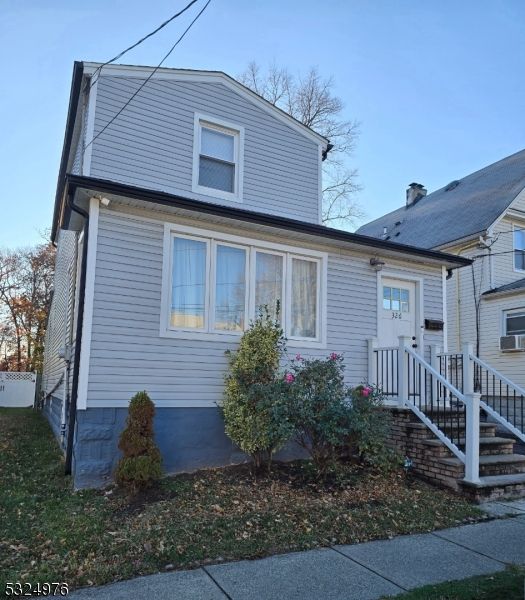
point(309, 98)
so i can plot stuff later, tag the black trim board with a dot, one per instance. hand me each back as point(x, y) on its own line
point(74, 97)
point(73, 182)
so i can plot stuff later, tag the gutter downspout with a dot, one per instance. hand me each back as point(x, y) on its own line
point(458, 310)
point(78, 335)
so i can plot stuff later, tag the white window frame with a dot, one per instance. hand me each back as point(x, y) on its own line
point(237, 131)
point(510, 312)
point(251, 246)
point(213, 284)
point(514, 227)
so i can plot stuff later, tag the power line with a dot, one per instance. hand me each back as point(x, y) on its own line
point(99, 69)
point(150, 76)
point(497, 253)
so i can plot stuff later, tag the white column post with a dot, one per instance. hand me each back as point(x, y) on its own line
point(373, 344)
point(468, 368)
point(472, 438)
point(434, 363)
point(402, 370)
point(472, 416)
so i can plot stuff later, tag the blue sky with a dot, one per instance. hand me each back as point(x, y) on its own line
point(437, 85)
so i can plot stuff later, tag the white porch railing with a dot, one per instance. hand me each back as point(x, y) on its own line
point(447, 394)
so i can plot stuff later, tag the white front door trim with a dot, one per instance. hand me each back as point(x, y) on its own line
point(419, 281)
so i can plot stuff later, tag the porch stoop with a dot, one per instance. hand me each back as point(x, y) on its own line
point(502, 473)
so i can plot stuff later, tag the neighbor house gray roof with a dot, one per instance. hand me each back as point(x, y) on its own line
point(510, 287)
point(469, 208)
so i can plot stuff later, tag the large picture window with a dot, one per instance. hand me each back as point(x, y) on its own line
point(217, 285)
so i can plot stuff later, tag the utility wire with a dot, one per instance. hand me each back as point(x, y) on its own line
point(99, 69)
point(497, 253)
point(149, 77)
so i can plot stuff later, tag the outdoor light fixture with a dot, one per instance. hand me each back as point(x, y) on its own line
point(377, 263)
point(104, 201)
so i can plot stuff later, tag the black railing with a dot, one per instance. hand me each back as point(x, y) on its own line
point(386, 369)
point(502, 397)
point(437, 402)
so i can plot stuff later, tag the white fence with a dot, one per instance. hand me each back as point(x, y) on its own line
point(17, 389)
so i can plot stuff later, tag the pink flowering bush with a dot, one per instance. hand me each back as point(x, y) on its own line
point(370, 427)
point(317, 408)
point(289, 377)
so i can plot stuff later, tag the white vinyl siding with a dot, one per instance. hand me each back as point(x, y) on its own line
point(60, 321)
point(127, 354)
point(151, 144)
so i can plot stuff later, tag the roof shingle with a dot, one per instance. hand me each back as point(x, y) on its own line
point(469, 208)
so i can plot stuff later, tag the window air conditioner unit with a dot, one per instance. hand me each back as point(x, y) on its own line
point(512, 343)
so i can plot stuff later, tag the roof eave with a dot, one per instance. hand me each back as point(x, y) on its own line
point(91, 67)
point(76, 86)
point(110, 187)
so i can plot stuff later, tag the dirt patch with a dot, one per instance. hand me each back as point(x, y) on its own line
point(126, 501)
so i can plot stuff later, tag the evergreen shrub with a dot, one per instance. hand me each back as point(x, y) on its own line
point(254, 392)
point(141, 460)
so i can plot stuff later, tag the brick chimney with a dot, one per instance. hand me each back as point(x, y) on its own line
point(414, 193)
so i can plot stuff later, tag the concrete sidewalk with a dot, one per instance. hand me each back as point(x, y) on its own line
point(361, 571)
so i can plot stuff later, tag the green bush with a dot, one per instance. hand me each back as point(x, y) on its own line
point(254, 391)
point(141, 460)
point(370, 426)
point(318, 408)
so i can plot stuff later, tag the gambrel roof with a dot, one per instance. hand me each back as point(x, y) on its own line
point(470, 206)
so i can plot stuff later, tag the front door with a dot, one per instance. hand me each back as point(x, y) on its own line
point(398, 311)
point(397, 316)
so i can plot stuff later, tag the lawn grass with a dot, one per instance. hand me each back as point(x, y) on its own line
point(505, 585)
point(50, 533)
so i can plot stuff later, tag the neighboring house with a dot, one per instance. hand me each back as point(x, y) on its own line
point(197, 204)
point(482, 217)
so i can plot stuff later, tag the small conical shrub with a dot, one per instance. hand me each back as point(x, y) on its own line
point(141, 460)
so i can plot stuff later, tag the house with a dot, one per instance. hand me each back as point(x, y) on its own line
point(182, 205)
point(481, 217)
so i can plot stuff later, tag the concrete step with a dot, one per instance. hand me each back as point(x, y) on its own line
point(493, 465)
point(487, 445)
point(485, 429)
point(495, 487)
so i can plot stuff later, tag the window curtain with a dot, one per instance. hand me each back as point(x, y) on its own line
point(188, 283)
point(304, 298)
point(268, 282)
point(230, 289)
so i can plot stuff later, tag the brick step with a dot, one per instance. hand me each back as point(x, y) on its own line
point(485, 429)
point(487, 446)
point(495, 487)
point(493, 465)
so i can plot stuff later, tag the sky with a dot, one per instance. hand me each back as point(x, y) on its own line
point(437, 85)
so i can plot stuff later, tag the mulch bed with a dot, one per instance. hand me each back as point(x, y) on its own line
point(50, 533)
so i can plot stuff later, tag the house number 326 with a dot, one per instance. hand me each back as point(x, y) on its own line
point(396, 315)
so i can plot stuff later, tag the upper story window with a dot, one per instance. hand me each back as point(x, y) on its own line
point(519, 249)
point(214, 285)
point(218, 158)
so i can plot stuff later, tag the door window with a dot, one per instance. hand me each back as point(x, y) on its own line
point(396, 299)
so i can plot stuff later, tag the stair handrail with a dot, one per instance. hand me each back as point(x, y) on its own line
point(494, 413)
point(437, 375)
point(468, 397)
point(493, 371)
